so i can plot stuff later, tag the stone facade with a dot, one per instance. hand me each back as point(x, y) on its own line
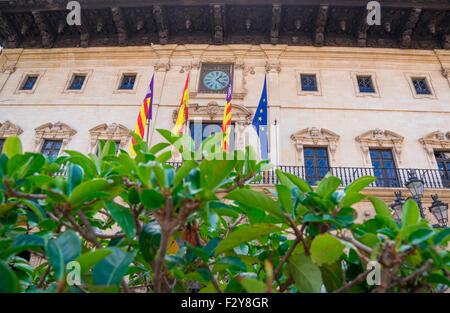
point(337, 116)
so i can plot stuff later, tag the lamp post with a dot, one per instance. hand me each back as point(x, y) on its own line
point(415, 187)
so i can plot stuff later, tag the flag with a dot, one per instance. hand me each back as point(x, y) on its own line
point(144, 115)
point(226, 123)
point(183, 111)
point(260, 123)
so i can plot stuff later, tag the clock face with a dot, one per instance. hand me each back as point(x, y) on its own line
point(216, 80)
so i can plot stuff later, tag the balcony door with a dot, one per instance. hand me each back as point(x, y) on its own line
point(384, 168)
point(316, 164)
point(443, 162)
point(199, 132)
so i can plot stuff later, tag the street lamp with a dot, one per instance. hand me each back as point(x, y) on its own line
point(439, 210)
point(415, 187)
point(397, 206)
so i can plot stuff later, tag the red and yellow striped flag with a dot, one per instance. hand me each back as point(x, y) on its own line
point(226, 123)
point(144, 115)
point(183, 111)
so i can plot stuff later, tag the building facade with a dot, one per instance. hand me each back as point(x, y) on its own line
point(342, 96)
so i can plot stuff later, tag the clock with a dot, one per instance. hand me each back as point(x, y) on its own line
point(216, 80)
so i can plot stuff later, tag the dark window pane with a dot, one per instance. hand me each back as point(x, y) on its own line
point(308, 82)
point(316, 164)
point(77, 82)
point(308, 152)
point(51, 147)
point(128, 82)
point(421, 86)
point(29, 83)
point(384, 168)
point(365, 84)
point(443, 162)
point(2, 141)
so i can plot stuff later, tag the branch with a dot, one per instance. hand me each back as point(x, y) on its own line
point(230, 227)
point(355, 242)
point(418, 272)
point(14, 193)
point(357, 280)
point(285, 257)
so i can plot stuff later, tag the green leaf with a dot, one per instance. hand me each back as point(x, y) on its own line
point(80, 159)
point(158, 147)
point(233, 261)
point(326, 249)
point(360, 184)
point(164, 157)
point(284, 180)
point(244, 235)
point(252, 285)
point(332, 276)
point(91, 258)
point(351, 198)
point(85, 191)
point(183, 171)
point(328, 186)
point(215, 171)
point(152, 199)
point(285, 197)
point(258, 200)
point(441, 236)
point(12, 146)
point(410, 213)
point(8, 280)
point(112, 268)
point(74, 177)
point(381, 208)
point(306, 274)
point(122, 215)
point(60, 251)
point(420, 235)
point(34, 207)
point(300, 183)
point(149, 241)
point(145, 173)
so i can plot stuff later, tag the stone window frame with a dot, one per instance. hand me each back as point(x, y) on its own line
point(111, 132)
point(9, 129)
point(71, 76)
point(53, 131)
point(411, 75)
point(300, 92)
point(119, 77)
point(373, 75)
point(315, 137)
point(380, 139)
point(25, 76)
point(435, 141)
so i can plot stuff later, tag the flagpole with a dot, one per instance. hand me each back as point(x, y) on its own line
point(148, 131)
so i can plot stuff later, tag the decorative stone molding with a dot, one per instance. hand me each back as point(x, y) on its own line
point(314, 136)
point(378, 138)
point(214, 111)
point(373, 76)
point(57, 131)
point(35, 73)
point(162, 66)
point(434, 141)
point(301, 92)
point(71, 76)
point(273, 66)
point(8, 129)
point(410, 76)
point(111, 132)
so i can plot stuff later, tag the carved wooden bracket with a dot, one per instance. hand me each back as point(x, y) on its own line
point(315, 137)
point(58, 131)
point(276, 22)
point(433, 141)
point(47, 33)
point(410, 24)
point(109, 132)
point(378, 138)
point(161, 25)
point(8, 129)
point(321, 21)
point(121, 25)
point(7, 29)
point(217, 22)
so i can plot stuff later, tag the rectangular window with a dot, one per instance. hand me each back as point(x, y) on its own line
point(443, 162)
point(384, 168)
point(51, 148)
point(29, 83)
point(421, 86)
point(201, 131)
point(128, 82)
point(309, 82)
point(2, 141)
point(316, 164)
point(77, 82)
point(365, 84)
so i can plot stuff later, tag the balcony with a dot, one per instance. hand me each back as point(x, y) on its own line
point(387, 177)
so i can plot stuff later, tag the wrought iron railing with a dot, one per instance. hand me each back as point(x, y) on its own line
point(386, 177)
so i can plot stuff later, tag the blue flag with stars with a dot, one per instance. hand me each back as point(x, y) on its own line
point(260, 123)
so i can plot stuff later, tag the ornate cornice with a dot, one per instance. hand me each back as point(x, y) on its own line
point(378, 138)
point(111, 132)
point(8, 129)
point(435, 140)
point(58, 131)
point(314, 136)
point(423, 24)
